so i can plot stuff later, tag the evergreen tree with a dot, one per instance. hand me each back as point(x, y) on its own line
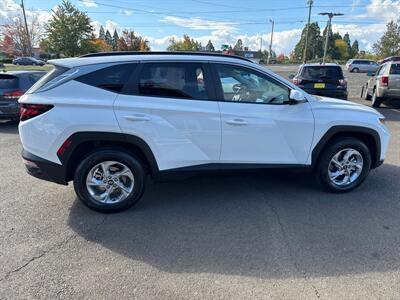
point(115, 40)
point(315, 43)
point(210, 46)
point(102, 34)
point(354, 49)
point(108, 38)
point(346, 39)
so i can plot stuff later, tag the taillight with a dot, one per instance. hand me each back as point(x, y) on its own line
point(28, 111)
point(296, 81)
point(385, 80)
point(343, 82)
point(13, 95)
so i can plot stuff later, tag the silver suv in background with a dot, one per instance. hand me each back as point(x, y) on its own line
point(384, 84)
point(361, 65)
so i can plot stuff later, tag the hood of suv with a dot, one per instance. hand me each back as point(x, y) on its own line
point(336, 104)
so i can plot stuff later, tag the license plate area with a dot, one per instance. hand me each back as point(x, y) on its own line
point(319, 85)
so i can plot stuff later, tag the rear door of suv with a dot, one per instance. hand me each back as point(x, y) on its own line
point(167, 104)
point(394, 79)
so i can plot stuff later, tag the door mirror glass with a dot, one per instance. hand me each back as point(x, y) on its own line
point(296, 96)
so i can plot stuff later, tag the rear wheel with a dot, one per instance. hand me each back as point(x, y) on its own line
point(109, 180)
point(366, 95)
point(343, 165)
point(376, 101)
point(356, 70)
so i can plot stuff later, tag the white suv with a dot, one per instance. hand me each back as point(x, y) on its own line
point(106, 121)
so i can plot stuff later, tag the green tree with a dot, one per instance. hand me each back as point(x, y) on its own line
point(332, 51)
point(115, 40)
point(354, 49)
point(102, 34)
point(238, 46)
point(314, 49)
point(210, 46)
point(108, 38)
point(69, 30)
point(186, 44)
point(346, 39)
point(131, 42)
point(389, 43)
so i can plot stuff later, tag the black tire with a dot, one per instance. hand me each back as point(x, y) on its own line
point(376, 101)
point(366, 95)
point(134, 165)
point(329, 152)
point(356, 70)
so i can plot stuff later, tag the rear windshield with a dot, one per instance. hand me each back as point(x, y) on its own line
point(8, 81)
point(57, 71)
point(322, 72)
point(395, 69)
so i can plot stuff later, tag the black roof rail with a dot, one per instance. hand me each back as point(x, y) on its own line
point(114, 53)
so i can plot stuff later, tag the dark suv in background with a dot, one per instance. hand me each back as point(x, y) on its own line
point(322, 80)
point(12, 86)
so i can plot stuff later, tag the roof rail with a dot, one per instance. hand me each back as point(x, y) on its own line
point(165, 53)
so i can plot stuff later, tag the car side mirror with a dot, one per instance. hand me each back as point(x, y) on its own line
point(371, 74)
point(291, 76)
point(296, 97)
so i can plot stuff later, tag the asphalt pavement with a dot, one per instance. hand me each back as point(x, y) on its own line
point(275, 235)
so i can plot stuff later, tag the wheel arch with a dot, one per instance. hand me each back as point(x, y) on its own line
point(83, 143)
point(368, 136)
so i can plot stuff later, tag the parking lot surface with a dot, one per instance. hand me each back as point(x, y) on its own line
point(268, 236)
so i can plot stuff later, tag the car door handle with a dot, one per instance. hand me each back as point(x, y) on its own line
point(137, 118)
point(236, 122)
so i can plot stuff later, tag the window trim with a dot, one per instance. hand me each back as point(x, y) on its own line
point(219, 90)
point(133, 82)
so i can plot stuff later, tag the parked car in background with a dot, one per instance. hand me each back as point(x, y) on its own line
point(361, 65)
point(384, 84)
point(28, 61)
point(390, 58)
point(322, 80)
point(107, 120)
point(12, 86)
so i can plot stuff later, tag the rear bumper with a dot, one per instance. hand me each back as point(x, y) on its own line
point(44, 169)
point(341, 94)
point(9, 110)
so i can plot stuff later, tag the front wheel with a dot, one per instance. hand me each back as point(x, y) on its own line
point(343, 165)
point(109, 180)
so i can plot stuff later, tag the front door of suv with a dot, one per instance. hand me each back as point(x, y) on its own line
point(259, 125)
point(167, 105)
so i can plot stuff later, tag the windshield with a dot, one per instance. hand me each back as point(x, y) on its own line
point(322, 72)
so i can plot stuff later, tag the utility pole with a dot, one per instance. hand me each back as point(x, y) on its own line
point(270, 43)
point(310, 3)
point(26, 29)
point(328, 27)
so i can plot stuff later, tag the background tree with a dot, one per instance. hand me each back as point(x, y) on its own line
point(131, 42)
point(210, 46)
point(315, 43)
point(238, 46)
point(14, 30)
point(341, 49)
point(99, 45)
point(102, 34)
point(332, 52)
point(115, 40)
point(69, 30)
point(186, 44)
point(346, 39)
point(108, 38)
point(354, 49)
point(389, 43)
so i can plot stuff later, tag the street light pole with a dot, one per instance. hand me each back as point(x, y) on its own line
point(270, 43)
point(328, 27)
point(310, 3)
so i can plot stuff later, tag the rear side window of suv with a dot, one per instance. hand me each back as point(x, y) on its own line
point(111, 78)
point(395, 69)
point(173, 80)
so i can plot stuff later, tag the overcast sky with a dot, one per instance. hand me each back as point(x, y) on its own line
point(225, 21)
